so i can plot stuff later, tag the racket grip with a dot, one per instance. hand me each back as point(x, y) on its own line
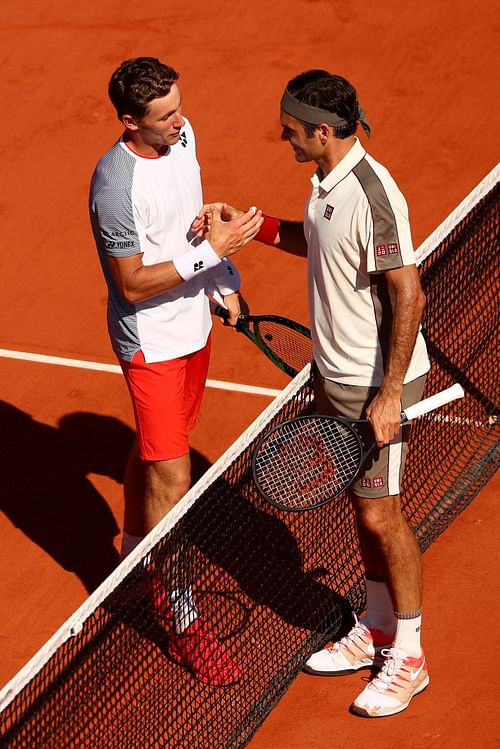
point(433, 402)
point(220, 311)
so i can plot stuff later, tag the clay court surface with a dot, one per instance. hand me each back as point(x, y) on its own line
point(427, 77)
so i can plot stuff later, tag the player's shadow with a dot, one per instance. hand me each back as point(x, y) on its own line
point(46, 493)
point(264, 555)
point(45, 489)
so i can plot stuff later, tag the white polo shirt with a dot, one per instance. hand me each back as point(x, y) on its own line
point(356, 225)
point(147, 205)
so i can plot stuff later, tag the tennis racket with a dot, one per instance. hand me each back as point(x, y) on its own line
point(285, 342)
point(307, 461)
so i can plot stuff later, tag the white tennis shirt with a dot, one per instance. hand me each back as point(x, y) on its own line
point(147, 205)
point(356, 225)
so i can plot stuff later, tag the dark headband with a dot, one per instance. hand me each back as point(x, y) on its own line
point(317, 116)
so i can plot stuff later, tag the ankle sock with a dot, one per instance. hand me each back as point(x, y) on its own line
point(184, 608)
point(408, 632)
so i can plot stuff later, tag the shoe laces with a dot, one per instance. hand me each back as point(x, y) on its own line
point(394, 659)
point(359, 632)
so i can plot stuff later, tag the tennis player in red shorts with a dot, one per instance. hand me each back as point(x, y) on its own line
point(145, 193)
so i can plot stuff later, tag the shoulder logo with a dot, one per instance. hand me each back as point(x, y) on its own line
point(328, 212)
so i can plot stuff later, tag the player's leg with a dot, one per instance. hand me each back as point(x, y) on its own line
point(375, 632)
point(158, 468)
point(362, 646)
point(392, 557)
point(390, 550)
point(167, 397)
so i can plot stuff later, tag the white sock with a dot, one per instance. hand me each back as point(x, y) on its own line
point(129, 543)
point(408, 632)
point(184, 608)
point(379, 607)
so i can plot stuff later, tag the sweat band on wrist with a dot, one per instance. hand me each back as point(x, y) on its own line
point(196, 260)
point(269, 230)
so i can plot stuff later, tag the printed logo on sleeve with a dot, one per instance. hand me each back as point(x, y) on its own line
point(387, 249)
point(378, 482)
point(366, 483)
point(120, 245)
point(328, 212)
point(183, 139)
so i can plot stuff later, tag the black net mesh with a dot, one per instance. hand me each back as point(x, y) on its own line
point(272, 586)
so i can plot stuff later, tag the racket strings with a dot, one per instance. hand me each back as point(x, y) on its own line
point(292, 346)
point(305, 462)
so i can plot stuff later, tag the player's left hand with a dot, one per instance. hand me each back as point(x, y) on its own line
point(236, 306)
point(201, 224)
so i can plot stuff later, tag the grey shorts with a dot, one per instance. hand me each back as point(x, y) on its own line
point(382, 474)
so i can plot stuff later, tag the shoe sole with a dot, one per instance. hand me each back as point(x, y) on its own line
point(363, 713)
point(375, 664)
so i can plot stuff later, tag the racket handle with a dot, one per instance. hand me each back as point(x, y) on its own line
point(216, 309)
point(434, 401)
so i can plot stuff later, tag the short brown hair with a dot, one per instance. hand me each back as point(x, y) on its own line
point(137, 82)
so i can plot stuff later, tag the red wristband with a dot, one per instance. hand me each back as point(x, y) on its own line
point(269, 230)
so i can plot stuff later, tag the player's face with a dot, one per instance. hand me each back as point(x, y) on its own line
point(162, 124)
point(304, 148)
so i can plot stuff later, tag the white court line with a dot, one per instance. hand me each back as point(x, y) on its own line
point(115, 369)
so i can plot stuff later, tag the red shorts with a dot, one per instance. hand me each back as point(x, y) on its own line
point(166, 398)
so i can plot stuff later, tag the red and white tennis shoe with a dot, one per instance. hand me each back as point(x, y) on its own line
point(360, 648)
point(391, 690)
point(198, 650)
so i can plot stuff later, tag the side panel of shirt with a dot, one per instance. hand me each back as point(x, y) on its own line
point(116, 234)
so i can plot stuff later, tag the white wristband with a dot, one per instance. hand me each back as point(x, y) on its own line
point(196, 260)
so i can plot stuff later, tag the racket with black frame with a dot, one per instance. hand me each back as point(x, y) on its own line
point(307, 461)
point(285, 342)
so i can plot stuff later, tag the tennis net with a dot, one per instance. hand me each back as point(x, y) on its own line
point(274, 586)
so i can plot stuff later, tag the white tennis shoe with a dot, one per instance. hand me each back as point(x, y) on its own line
point(360, 648)
point(402, 677)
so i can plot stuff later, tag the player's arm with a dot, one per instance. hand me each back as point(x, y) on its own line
point(290, 237)
point(384, 410)
point(138, 282)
